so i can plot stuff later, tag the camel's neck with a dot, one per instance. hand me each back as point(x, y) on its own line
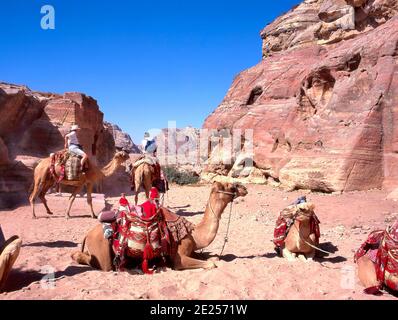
point(110, 168)
point(206, 230)
point(304, 227)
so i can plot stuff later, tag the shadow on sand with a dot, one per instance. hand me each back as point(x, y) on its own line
point(55, 244)
point(330, 247)
point(231, 257)
point(184, 213)
point(19, 279)
point(322, 257)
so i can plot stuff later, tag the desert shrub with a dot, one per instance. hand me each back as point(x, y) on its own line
point(174, 175)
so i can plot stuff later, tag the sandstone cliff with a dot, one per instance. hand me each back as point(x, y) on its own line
point(122, 140)
point(324, 113)
point(33, 125)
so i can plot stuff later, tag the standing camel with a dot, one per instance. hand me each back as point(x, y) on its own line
point(99, 254)
point(44, 180)
point(143, 175)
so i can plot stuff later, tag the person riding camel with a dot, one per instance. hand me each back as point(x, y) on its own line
point(72, 144)
point(149, 148)
point(149, 145)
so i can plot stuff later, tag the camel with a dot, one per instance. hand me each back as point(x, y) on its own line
point(300, 236)
point(381, 244)
point(9, 252)
point(99, 253)
point(43, 180)
point(144, 175)
point(367, 273)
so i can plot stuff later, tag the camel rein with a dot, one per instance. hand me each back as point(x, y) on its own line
point(234, 194)
point(309, 244)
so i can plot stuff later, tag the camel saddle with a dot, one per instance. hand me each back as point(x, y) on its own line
point(137, 238)
point(146, 239)
point(70, 166)
point(287, 218)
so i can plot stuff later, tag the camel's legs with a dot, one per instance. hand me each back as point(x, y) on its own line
point(137, 182)
point(136, 197)
point(82, 258)
point(290, 256)
point(42, 195)
point(33, 196)
point(147, 185)
point(310, 256)
point(367, 272)
point(302, 257)
point(182, 262)
point(72, 198)
point(90, 199)
point(147, 193)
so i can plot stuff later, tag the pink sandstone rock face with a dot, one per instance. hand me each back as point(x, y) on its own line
point(325, 117)
point(122, 140)
point(325, 22)
point(33, 125)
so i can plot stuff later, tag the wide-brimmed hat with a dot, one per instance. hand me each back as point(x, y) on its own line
point(74, 127)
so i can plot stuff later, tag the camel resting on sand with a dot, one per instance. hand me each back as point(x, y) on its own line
point(377, 261)
point(301, 235)
point(97, 252)
point(44, 180)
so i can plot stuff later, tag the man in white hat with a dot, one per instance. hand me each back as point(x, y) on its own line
point(72, 143)
point(148, 145)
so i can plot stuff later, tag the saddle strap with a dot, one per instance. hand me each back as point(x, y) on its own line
point(57, 178)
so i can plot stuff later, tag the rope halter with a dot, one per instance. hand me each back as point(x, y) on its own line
point(234, 196)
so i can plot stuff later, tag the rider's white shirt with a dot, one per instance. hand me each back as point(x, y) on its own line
point(72, 138)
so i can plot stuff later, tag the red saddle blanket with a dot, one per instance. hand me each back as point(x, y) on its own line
point(146, 239)
point(138, 238)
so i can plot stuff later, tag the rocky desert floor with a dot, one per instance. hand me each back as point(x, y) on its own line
point(248, 269)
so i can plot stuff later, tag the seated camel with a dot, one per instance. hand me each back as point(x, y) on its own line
point(9, 251)
point(97, 252)
point(377, 261)
point(297, 232)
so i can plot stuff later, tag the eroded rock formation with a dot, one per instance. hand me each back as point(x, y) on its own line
point(324, 113)
point(33, 125)
point(122, 140)
point(325, 22)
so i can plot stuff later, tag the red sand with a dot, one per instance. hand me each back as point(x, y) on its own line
point(249, 268)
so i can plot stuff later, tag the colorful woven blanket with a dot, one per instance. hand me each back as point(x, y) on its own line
point(381, 247)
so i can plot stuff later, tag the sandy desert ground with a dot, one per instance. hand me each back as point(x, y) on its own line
point(249, 268)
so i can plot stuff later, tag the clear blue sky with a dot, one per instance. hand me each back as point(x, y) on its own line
point(146, 62)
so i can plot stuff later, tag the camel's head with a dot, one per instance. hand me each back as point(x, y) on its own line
point(121, 156)
point(229, 191)
point(305, 212)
